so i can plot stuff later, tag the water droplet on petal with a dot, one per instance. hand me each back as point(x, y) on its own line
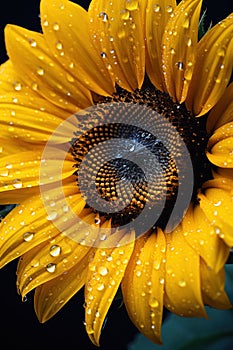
point(52, 216)
point(59, 45)
point(40, 71)
point(103, 55)
point(17, 86)
point(32, 42)
point(154, 302)
point(100, 287)
point(125, 15)
point(17, 183)
point(55, 250)
point(121, 34)
point(169, 9)
point(103, 271)
point(51, 267)
point(131, 5)
point(103, 16)
point(56, 26)
point(156, 8)
point(180, 65)
point(28, 236)
point(186, 23)
point(182, 283)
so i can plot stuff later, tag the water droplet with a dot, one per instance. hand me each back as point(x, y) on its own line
point(56, 26)
point(125, 15)
point(100, 287)
point(17, 86)
point(97, 314)
point(169, 9)
point(28, 236)
point(17, 183)
point(103, 271)
point(189, 42)
point(182, 283)
point(138, 273)
point(103, 55)
point(55, 250)
point(9, 165)
point(59, 45)
point(97, 220)
point(103, 237)
point(32, 42)
point(40, 71)
point(154, 302)
point(51, 267)
point(45, 23)
point(24, 299)
point(221, 52)
point(131, 5)
point(161, 281)
point(52, 216)
point(180, 65)
point(156, 8)
point(103, 16)
point(34, 86)
point(188, 74)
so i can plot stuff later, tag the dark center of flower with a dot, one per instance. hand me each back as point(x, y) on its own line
point(121, 180)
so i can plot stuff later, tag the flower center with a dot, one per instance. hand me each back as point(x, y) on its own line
point(114, 178)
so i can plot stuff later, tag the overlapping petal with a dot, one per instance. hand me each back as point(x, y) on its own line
point(202, 237)
point(35, 63)
point(69, 41)
point(104, 277)
point(143, 285)
point(213, 68)
point(217, 203)
point(50, 297)
point(179, 48)
point(182, 279)
point(157, 16)
point(118, 34)
point(212, 285)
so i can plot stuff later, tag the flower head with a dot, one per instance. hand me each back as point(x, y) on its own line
point(117, 146)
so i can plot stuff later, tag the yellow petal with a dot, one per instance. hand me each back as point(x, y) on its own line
point(118, 33)
point(29, 224)
point(24, 171)
point(213, 67)
point(220, 146)
point(26, 116)
point(182, 279)
point(103, 280)
point(157, 15)
point(143, 285)
point(67, 23)
point(201, 236)
point(212, 286)
point(53, 295)
point(36, 65)
point(217, 205)
point(47, 261)
point(222, 112)
point(223, 178)
point(179, 48)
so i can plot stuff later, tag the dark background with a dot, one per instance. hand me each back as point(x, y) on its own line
point(19, 326)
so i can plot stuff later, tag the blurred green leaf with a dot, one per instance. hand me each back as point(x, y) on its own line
point(181, 333)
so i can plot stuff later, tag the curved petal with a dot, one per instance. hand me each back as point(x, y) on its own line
point(34, 62)
point(182, 279)
point(25, 171)
point(157, 16)
point(29, 224)
point(143, 285)
point(213, 67)
point(118, 35)
point(47, 261)
point(222, 112)
point(104, 277)
point(217, 205)
point(50, 297)
point(202, 237)
point(220, 146)
point(66, 23)
point(212, 286)
point(179, 48)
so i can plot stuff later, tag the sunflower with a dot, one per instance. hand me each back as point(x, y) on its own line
point(130, 54)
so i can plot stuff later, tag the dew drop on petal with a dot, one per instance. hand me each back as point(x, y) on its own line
point(125, 14)
point(103, 55)
point(156, 8)
point(131, 5)
point(154, 302)
point(56, 26)
point(52, 216)
point(59, 45)
point(100, 287)
point(17, 183)
point(28, 236)
point(40, 71)
point(51, 267)
point(17, 86)
point(32, 42)
point(103, 271)
point(182, 283)
point(55, 250)
point(103, 16)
